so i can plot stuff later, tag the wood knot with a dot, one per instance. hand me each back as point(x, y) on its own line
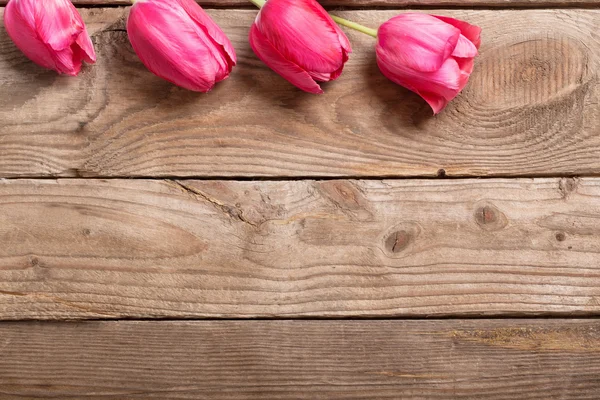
point(81, 125)
point(397, 241)
point(566, 186)
point(486, 215)
point(536, 66)
point(400, 239)
point(346, 197)
point(87, 232)
point(490, 218)
point(561, 237)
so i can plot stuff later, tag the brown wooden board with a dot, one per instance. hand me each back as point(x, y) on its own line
point(166, 249)
point(532, 108)
point(367, 360)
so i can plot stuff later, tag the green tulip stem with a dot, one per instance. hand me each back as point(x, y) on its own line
point(355, 26)
point(341, 21)
point(258, 3)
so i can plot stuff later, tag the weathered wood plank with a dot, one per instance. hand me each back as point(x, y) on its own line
point(497, 359)
point(134, 248)
point(532, 108)
point(377, 3)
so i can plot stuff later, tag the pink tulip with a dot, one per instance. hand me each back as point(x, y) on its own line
point(429, 55)
point(51, 33)
point(300, 41)
point(179, 42)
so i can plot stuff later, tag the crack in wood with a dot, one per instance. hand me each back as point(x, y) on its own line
point(235, 213)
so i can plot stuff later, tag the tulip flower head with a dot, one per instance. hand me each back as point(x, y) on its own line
point(429, 55)
point(299, 41)
point(179, 42)
point(51, 33)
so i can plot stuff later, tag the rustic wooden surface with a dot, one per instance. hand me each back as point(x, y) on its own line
point(164, 247)
point(531, 109)
point(505, 359)
point(140, 248)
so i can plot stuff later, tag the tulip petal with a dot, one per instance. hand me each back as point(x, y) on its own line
point(78, 45)
point(87, 48)
point(466, 65)
point(344, 42)
point(464, 48)
point(449, 76)
point(50, 33)
point(303, 33)
point(67, 62)
point(278, 63)
point(420, 41)
point(437, 103)
point(337, 73)
point(320, 76)
point(24, 36)
point(212, 29)
point(347, 48)
point(446, 82)
point(83, 40)
point(56, 24)
point(471, 32)
point(174, 47)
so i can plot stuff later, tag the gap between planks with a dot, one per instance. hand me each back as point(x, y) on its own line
point(441, 176)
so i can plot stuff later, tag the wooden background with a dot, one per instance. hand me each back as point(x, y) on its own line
point(262, 243)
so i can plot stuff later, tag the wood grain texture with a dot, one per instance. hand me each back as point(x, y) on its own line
point(155, 249)
point(532, 108)
point(377, 3)
point(367, 360)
